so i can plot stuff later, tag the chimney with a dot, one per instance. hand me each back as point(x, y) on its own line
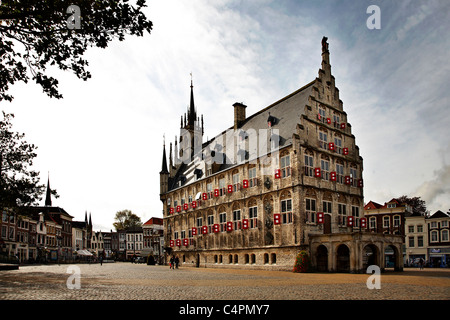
point(239, 114)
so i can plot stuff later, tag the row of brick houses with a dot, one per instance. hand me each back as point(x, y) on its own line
point(48, 233)
point(426, 237)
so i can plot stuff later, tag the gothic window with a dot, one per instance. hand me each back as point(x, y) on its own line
point(222, 189)
point(309, 165)
point(326, 207)
point(322, 113)
point(310, 207)
point(342, 213)
point(210, 222)
point(286, 208)
point(353, 175)
point(237, 219)
point(338, 144)
point(236, 184)
point(336, 120)
point(323, 140)
point(285, 166)
point(339, 172)
point(253, 181)
point(223, 221)
point(325, 168)
point(253, 215)
point(209, 190)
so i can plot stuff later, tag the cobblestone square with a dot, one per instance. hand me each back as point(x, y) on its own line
point(127, 281)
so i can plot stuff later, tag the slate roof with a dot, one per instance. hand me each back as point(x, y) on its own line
point(287, 113)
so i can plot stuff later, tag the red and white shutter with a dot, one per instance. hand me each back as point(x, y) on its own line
point(363, 222)
point(171, 210)
point(348, 180)
point(276, 218)
point(194, 231)
point(350, 221)
point(172, 243)
point(204, 230)
point(329, 120)
point(245, 224)
point(194, 204)
point(360, 183)
point(317, 172)
point(216, 193)
point(178, 242)
point(277, 174)
point(320, 218)
point(331, 146)
point(333, 175)
point(245, 183)
point(343, 125)
point(185, 242)
point(204, 196)
point(229, 226)
point(216, 228)
point(186, 206)
point(178, 208)
point(345, 151)
point(230, 188)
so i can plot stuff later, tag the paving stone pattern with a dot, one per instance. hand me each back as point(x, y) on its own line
point(127, 281)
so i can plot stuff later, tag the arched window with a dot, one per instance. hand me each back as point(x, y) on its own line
point(310, 206)
point(434, 236)
point(444, 235)
point(286, 208)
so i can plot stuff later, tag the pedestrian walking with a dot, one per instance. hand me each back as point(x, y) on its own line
point(177, 261)
point(172, 262)
point(420, 264)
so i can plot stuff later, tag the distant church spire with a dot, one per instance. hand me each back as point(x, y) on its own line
point(192, 114)
point(48, 196)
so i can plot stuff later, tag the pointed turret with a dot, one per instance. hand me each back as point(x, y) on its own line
point(48, 196)
point(192, 113)
point(164, 173)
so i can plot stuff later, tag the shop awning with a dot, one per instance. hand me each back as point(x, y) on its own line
point(84, 253)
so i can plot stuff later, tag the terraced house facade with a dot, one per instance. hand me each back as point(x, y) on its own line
point(286, 178)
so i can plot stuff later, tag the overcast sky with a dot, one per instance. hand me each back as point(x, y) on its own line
point(102, 143)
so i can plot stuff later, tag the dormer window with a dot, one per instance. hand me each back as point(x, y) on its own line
point(391, 205)
point(271, 120)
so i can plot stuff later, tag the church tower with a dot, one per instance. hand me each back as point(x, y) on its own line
point(164, 174)
point(191, 132)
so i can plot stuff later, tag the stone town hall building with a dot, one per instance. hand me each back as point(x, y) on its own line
point(285, 179)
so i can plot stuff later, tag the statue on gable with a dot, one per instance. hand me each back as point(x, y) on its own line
point(324, 44)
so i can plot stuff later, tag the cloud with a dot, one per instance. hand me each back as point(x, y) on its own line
point(432, 190)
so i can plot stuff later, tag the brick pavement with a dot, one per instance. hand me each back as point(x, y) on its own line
point(126, 281)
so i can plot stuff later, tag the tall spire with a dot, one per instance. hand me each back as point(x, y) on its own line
point(192, 114)
point(164, 160)
point(48, 196)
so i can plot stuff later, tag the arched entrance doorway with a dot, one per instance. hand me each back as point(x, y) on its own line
point(392, 259)
point(322, 258)
point(343, 259)
point(370, 256)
